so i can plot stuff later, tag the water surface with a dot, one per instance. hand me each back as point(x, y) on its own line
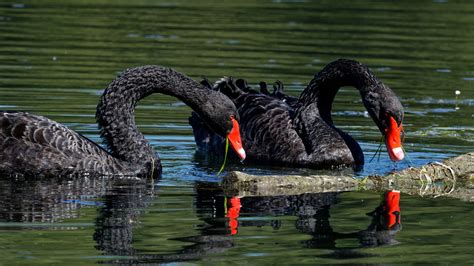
point(57, 56)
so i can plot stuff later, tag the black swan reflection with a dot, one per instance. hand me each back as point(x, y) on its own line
point(312, 212)
point(35, 145)
point(282, 130)
point(123, 203)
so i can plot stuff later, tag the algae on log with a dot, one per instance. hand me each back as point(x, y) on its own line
point(452, 178)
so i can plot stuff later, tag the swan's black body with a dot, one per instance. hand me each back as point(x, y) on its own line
point(35, 145)
point(283, 130)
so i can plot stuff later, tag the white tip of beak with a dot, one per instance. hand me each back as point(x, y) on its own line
point(242, 154)
point(397, 154)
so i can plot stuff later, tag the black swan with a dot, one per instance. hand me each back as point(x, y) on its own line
point(283, 130)
point(35, 145)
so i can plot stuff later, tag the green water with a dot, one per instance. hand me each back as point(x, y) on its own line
point(57, 56)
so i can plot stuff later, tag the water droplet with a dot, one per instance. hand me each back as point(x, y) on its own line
point(232, 42)
point(383, 69)
point(289, 1)
point(154, 36)
point(18, 5)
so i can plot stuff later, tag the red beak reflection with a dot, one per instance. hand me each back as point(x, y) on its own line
point(392, 208)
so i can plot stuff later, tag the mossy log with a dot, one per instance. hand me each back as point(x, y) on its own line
point(453, 178)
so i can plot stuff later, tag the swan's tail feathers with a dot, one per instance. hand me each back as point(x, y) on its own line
point(232, 88)
point(278, 88)
point(264, 88)
point(221, 83)
point(278, 93)
point(206, 83)
point(242, 85)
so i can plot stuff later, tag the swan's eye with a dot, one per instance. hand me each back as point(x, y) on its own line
point(386, 121)
point(229, 124)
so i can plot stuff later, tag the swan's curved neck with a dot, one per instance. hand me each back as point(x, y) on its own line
point(115, 111)
point(324, 86)
point(315, 102)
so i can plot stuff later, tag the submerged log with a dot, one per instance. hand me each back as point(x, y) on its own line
point(243, 184)
point(453, 178)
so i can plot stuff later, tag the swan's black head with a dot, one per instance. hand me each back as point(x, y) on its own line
point(387, 112)
point(221, 116)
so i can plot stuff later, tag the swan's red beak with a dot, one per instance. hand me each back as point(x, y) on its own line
point(234, 138)
point(393, 140)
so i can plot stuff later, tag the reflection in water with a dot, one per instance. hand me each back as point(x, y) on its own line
point(313, 212)
point(123, 204)
point(123, 201)
point(54, 200)
point(48, 200)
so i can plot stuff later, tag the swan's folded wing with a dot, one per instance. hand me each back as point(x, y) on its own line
point(37, 144)
point(267, 128)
